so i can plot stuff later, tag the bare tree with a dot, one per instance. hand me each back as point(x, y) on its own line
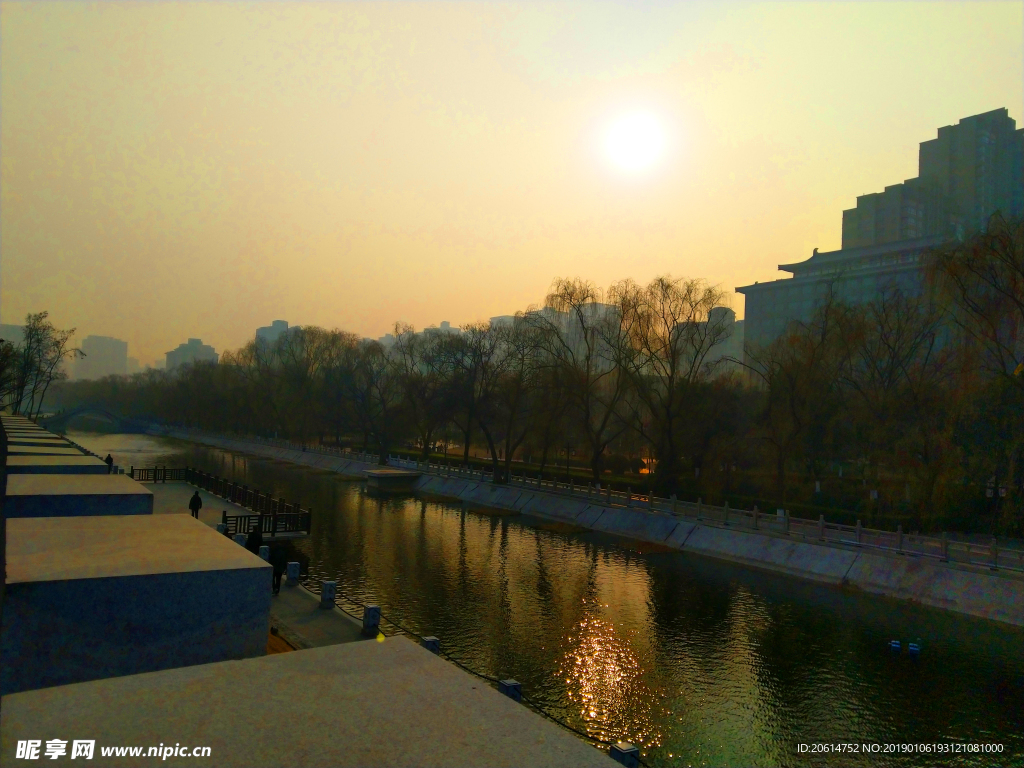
point(671, 328)
point(800, 375)
point(40, 362)
point(583, 339)
point(983, 279)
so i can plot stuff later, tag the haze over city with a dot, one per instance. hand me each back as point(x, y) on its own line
point(196, 170)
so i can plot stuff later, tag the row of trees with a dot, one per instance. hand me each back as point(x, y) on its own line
point(917, 399)
point(31, 364)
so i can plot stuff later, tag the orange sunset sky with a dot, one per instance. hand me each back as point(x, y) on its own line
point(174, 170)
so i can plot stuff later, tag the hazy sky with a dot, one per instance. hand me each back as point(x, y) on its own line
point(200, 169)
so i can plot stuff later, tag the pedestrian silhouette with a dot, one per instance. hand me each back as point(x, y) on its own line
point(254, 540)
point(110, 463)
point(278, 559)
point(195, 504)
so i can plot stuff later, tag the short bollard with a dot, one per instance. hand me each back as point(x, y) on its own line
point(511, 688)
point(624, 753)
point(328, 589)
point(221, 528)
point(265, 552)
point(371, 620)
point(431, 643)
point(293, 574)
point(240, 538)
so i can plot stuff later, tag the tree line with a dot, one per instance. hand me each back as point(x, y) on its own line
point(906, 408)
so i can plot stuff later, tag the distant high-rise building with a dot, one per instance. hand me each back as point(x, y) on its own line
point(730, 345)
point(104, 356)
point(971, 171)
point(133, 365)
point(271, 333)
point(191, 352)
point(12, 333)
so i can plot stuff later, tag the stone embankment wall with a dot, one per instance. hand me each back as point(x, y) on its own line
point(971, 589)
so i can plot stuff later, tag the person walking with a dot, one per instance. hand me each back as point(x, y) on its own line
point(195, 504)
point(279, 560)
point(255, 539)
point(109, 461)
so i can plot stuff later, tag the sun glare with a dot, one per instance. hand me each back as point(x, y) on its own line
point(635, 142)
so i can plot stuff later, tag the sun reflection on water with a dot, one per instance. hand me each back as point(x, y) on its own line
point(604, 683)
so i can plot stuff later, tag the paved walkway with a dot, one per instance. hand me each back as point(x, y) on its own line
point(173, 498)
point(302, 622)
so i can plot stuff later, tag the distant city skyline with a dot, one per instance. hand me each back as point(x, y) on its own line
point(353, 165)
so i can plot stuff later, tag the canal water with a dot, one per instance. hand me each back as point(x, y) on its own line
point(698, 662)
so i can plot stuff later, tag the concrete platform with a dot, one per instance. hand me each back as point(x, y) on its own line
point(386, 480)
point(76, 495)
point(42, 440)
point(359, 704)
point(97, 597)
point(15, 449)
point(55, 465)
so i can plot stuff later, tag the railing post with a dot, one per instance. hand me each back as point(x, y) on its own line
point(624, 753)
point(725, 512)
point(786, 513)
point(675, 504)
point(511, 688)
point(328, 589)
point(371, 620)
point(224, 517)
point(821, 527)
point(755, 517)
point(995, 553)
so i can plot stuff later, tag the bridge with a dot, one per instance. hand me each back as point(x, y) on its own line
point(58, 423)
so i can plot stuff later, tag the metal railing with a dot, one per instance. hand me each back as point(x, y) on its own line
point(159, 474)
point(273, 515)
point(940, 548)
point(269, 525)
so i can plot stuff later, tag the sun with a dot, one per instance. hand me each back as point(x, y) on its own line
point(635, 142)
